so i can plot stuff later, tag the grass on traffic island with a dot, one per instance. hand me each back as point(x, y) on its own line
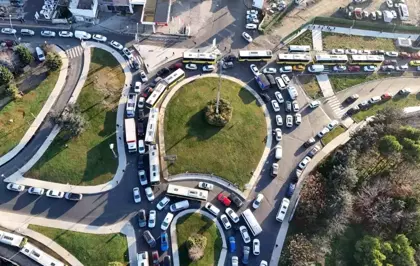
point(231, 152)
point(333, 134)
point(87, 159)
point(17, 116)
point(198, 224)
point(89, 249)
point(304, 39)
point(396, 101)
point(310, 86)
point(342, 41)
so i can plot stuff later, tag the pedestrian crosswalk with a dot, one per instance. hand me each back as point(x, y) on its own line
point(336, 106)
point(74, 52)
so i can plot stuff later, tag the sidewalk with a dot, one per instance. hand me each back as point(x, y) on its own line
point(17, 177)
point(317, 40)
point(44, 111)
point(325, 85)
point(174, 240)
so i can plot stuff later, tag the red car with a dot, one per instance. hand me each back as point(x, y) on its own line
point(146, 93)
point(176, 66)
point(155, 258)
point(353, 68)
point(386, 96)
point(223, 199)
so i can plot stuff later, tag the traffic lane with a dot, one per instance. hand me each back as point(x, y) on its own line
point(13, 254)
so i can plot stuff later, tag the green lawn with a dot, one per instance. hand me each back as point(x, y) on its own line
point(341, 82)
point(231, 152)
point(89, 249)
point(335, 41)
point(22, 112)
point(196, 223)
point(333, 134)
point(87, 160)
point(310, 85)
point(397, 101)
point(304, 39)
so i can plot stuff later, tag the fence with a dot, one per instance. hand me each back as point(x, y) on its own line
point(277, 17)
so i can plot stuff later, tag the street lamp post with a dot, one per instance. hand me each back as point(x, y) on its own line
point(11, 26)
point(111, 147)
point(137, 32)
point(220, 85)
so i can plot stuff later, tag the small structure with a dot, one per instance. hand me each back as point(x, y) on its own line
point(403, 42)
point(84, 10)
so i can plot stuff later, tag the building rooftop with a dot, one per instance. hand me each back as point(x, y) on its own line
point(81, 4)
point(157, 11)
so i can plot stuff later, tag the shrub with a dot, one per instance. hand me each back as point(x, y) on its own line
point(13, 91)
point(5, 76)
point(24, 54)
point(224, 115)
point(196, 245)
point(53, 61)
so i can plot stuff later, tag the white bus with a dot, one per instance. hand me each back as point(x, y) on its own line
point(251, 222)
point(152, 124)
point(187, 192)
point(294, 59)
point(174, 77)
point(39, 256)
point(131, 104)
point(154, 164)
point(143, 258)
point(199, 58)
point(158, 91)
point(299, 48)
point(403, 12)
point(366, 59)
point(10, 239)
point(262, 55)
point(331, 59)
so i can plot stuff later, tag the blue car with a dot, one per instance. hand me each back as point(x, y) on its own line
point(232, 244)
point(164, 241)
point(290, 189)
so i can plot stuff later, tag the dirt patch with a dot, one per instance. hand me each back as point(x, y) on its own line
point(310, 86)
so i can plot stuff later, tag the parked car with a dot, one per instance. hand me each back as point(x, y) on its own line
point(265, 97)
point(236, 200)
point(99, 38)
point(232, 215)
point(369, 68)
point(278, 134)
point(290, 189)
point(288, 106)
point(47, 33)
point(339, 68)
point(167, 221)
point(322, 133)
point(363, 105)
point(386, 96)
point(269, 70)
point(36, 191)
point(353, 68)
point(118, 46)
point(283, 209)
point(8, 31)
point(167, 260)
point(392, 54)
point(15, 187)
point(298, 119)
point(65, 34)
point(289, 120)
point(143, 76)
point(205, 185)
point(244, 234)
point(274, 169)
point(309, 142)
point(142, 177)
point(251, 26)
point(299, 68)
point(208, 68)
point(27, 32)
point(164, 246)
point(162, 72)
point(223, 199)
point(127, 53)
point(352, 98)
point(155, 258)
point(256, 247)
point(314, 151)
point(332, 124)
point(149, 194)
point(276, 106)
point(302, 165)
point(295, 106)
point(279, 120)
point(257, 201)
point(247, 37)
point(235, 261)
point(152, 219)
point(232, 244)
point(314, 104)
point(191, 66)
point(54, 194)
point(279, 97)
point(225, 222)
point(142, 219)
point(162, 203)
point(73, 196)
point(150, 240)
point(337, 51)
point(404, 91)
point(286, 69)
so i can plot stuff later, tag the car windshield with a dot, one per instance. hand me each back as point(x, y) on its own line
point(165, 223)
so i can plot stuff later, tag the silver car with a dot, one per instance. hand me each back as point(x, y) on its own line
point(47, 33)
point(276, 106)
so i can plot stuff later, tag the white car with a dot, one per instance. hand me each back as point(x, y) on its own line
point(276, 106)
point(15, 187)
point(149, 194)
point(127, 53)
point(314, 104)
point(244, 234)
point(322, 133)
point(389, 4)
point(254, 69)
point(162, 203)
point(257, 201)
point(251, 26)
point(285, 78)
point(295, 106)
point(289, 120)
point(286, 69)
point(374, 99)
point(278, 134)
point(283, 209)
point(143, 76)
point(252, 12)
point(152, 219)
point(167, 221)
point(392, 54)
point(235, 261)
point(256, 246)
point(279, 97)
point(36, 191)
point(369, 68)
point(142, 177)
point(332, 124)
point(205, 185)
point(47, 33)
point(263, 263)
point(208, 68)
point(136, 195)
point(279, 120)
point(116, 45)
point(8, 31)
point(337, 51)
point(191, 66)
point(274, 169)
point(402, 67)
point(298, 119)
point(247, 37)
point(302, 165)
point(225, 222)
point(232, 215)
point(65, 34)
point(339, 68)
point(99, 38)
point(269, 70)
point(137, 87)
point(54, 194)
point(141, 103)
point(27, 32)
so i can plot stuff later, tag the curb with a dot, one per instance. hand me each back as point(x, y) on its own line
point(174, 240)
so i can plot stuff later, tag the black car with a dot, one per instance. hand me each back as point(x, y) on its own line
point(149, 238)
point(163, 71)
point(290, 189)
point(136, 64)
point(141, 216)
point(167, 261)
point(140, 129)
point(73, 196)
point(353, 110)
point(271, 79)
point(230, 58)
point(314, 151)
point(309, 142)
point(352, 98)
point(265, 97)
point(140, 162)
point(364, 105)
point(236, 200)
point(146, 93)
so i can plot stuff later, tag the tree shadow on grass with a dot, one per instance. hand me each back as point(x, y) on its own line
point(109, 123)
point(246, 96)
point(199, 128)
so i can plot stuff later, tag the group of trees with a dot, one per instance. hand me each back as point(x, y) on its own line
point(370, 181)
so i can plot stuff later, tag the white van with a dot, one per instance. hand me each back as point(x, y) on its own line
point(316, 68)
point(280, 83)
point(283, 209)
point(292, 93)
point(40, 54)
point(181, 205)
point(279, 152)
point(212, 209)
point(82, 35)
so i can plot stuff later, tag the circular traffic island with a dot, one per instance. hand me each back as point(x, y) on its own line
point(231, 151)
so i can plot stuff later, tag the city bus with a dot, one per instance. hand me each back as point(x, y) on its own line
point(294, 59)
point(199, 58)
point(152, 124)
point(255, 55)
point(154, 164)
point(158, 91)
point(174, 77)
point(251, 222)
point(187, 192)
point(366, 59)
point(331, 59)
point(299, 48)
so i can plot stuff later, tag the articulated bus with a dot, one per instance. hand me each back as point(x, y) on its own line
point(158, 91)
point(261, 55)
point(366, 59)
point(294, 59)
point(174, 77)
point(251, 222)
point(199, 58)
point(152, 124)
point(299, 48)
point(331, 59)
point(154, 164)
point(187, 192)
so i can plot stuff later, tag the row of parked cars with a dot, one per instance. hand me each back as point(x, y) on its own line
point(51, 193)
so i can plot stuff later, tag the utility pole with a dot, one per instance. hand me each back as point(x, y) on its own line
point(11, 26)
point(220, 85)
